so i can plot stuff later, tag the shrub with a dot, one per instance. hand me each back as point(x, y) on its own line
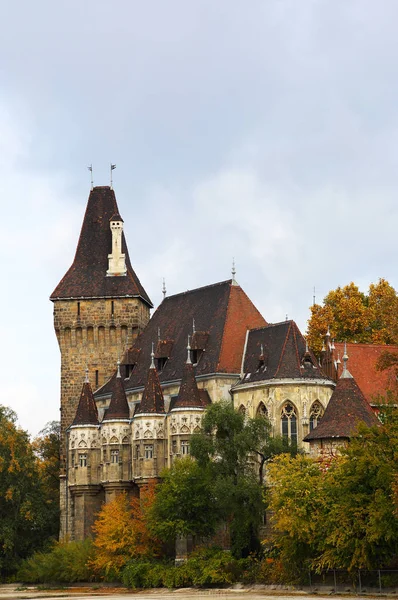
point(66, 562)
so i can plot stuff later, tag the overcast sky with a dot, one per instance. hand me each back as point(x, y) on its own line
point(264, 130)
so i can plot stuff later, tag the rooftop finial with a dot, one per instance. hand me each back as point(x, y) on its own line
point(307, 349)
point(261, 350)
point(233, 272)
point(158, 333)
point(345, 374)
point(328, 333)
point(189, 362)
point(287, 317)
point(152, 358)
point(90, 168)
point(86, 380)
point(338, 361)
point(112, 168)
point(333, 347)
point(313, 298)
point(164, 289)
point(118, 368)
point(193, 326)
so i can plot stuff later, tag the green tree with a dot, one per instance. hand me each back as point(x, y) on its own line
point(23, 512)
point(356, 317)
point(47, 449)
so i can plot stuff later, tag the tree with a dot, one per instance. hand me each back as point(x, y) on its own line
point(23, 511)
point(122, 532)
point(47, 449)
point(356, 317)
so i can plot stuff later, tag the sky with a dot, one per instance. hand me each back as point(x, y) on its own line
point(264, 131)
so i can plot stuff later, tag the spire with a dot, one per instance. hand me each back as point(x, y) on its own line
point(152, 400)
point(328, 333)
point(152, 366)
point(345, 374)
point(193, 326)
point(86, 413)
point(234, 282)
point(164, 289)
point(118, 406)
point(189, 362)
point(307, 350)
point(117, 258)
point(188, 395)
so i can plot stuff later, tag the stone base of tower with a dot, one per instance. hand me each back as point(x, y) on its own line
point(86, 502)
point(63, 504)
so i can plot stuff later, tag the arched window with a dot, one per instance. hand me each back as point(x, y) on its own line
point(289, 422)
point(316, 414)
point(261, 410)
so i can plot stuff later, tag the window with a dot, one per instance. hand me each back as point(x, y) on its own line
point(261, 410)
point(96, 378)
point(137, 451)
point(174, 446)
point(128, 369)
point(184, 447)
point(289, 422)
point(195, 356)
point(73, 459)
point(148, 451)
point(104, 454)
point(112, 308)
point(316, 413)
point(160, 363)
point(83, 460)
point(114, 457)
point(78, 309)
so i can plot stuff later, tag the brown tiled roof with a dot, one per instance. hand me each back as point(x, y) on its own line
point(346, 409)
point(188, 395)
point(86, 413)
point(363, 359)
point(204, 398)
point(283, 354)
point(199, 340)
point(87, 277)
point(131, 356)
point(222, 310)
point(152, 398)
point(164, 348)
point(116, 217)
point(118, 406)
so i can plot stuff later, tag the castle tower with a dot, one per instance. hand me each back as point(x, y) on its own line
point(149, 430)
point(186, 411)
point(98, 305)
point(83, 465)
point(116, 442)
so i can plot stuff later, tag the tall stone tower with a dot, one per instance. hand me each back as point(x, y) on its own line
point(99, 306)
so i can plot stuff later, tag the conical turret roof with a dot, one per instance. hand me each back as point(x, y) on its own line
point(188, 395)
point(152, 401)
point(346, 409)
point(118, 407)
point(87, 276)
point(86, 413)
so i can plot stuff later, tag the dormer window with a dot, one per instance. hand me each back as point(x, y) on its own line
point(195, 356)
point(161, 363)
point(128, 369)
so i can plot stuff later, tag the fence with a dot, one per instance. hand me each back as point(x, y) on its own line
point(377, 581)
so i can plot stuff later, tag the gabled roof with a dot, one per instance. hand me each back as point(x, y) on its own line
point(152, 400)
point(278, 351)
point(118, 406)
point(188, 394)
point(86, 413)
point(87, 277)
point(221, 310)
point(363, 359)
point(346, 409)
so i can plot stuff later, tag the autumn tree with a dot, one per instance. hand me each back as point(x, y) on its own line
point(122, 532)
point(24, 513)
point(356, 317)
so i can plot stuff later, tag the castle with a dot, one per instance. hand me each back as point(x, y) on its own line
point(199, 346)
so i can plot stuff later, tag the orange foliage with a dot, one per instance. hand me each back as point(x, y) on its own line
point(122, 533)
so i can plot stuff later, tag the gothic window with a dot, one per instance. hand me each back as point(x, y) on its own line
point(184, 447)
point(137, 451)
point(114, 457)
point(174, 446)
point(78, 309)
point(103, 454)
point(82, 460)
point(316, 414)
point(161, 363)
point(242, 409)
point(148, 448)
point(261, 410)
point(289, 422)
point(73, 459)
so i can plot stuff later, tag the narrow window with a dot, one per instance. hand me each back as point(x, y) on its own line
point(96, 378)
point(184, 447)
point(289, 422)
point(114, 457)
point(316, 413)
point(137, 451)
point(83, 460)
point(161, 363)
point(174, 446)
point(73, 459)
point(112, 308)
point(78, 309)
point(104, 455)
point(148, 451)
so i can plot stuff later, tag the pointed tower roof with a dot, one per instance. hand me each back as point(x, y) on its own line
point(152, 401)
point(118, 407)
point(188, 395)
point(87, 277)
point(86, 413)
point(346, 409)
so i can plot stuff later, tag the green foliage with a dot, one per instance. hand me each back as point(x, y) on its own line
point(66, 562)
point(26, 518)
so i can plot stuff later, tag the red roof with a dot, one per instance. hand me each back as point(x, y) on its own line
point(86, 413)
point(362, 366)
point(152, 398)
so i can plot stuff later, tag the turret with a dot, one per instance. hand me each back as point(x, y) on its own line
point(117, 259)
point(149, 453)
point(84, 465)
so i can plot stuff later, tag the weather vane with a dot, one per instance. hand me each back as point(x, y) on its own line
point(90, 168)
point(112, 167)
